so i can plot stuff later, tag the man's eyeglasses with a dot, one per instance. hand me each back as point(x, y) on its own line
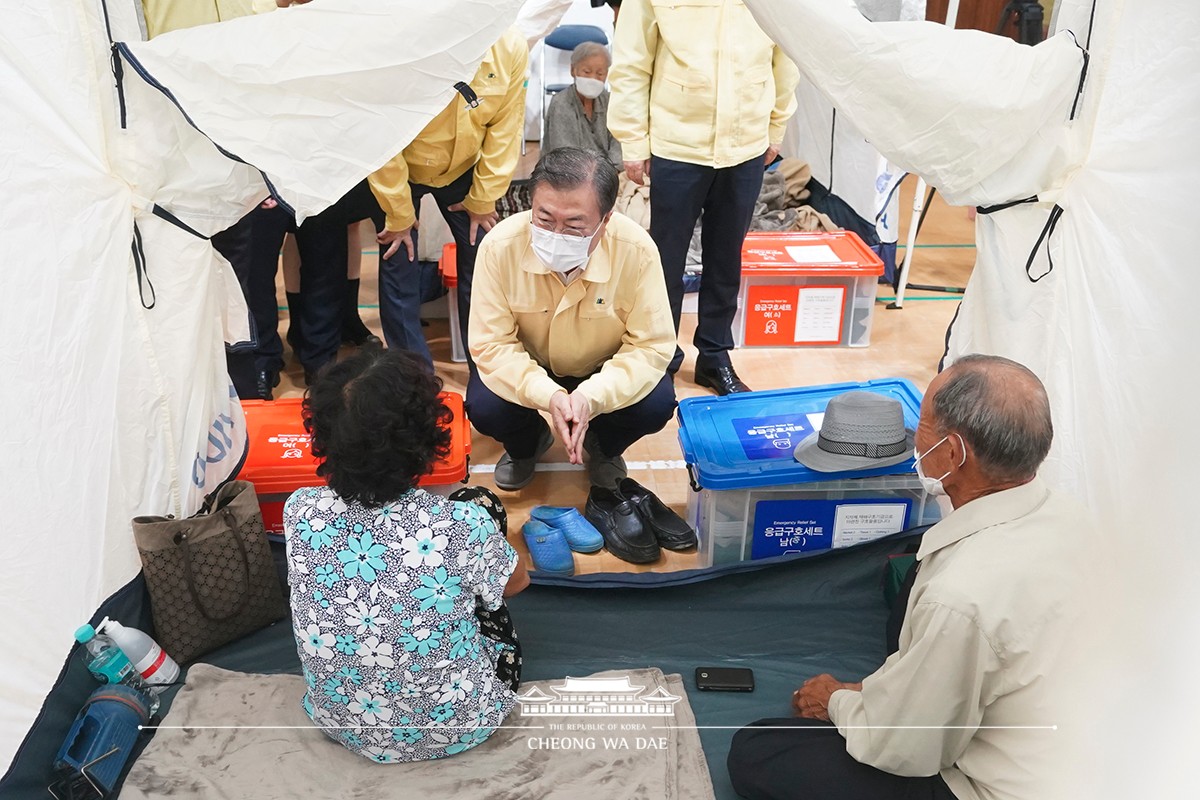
point(573, 232)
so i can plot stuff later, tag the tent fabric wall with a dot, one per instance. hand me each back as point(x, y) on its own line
point(841, 158)
point(907, 88)
point(537, 18)
point(1109, 330)
point(116, 409)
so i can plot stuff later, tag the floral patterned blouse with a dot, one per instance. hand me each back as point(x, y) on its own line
point(383, 610)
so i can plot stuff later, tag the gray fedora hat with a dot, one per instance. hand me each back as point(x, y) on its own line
point(860, 430)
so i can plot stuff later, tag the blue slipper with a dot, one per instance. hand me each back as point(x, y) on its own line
point(548, 548)
point(581, 535)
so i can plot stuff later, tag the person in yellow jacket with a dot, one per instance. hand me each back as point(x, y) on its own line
point(700, 99)
point(163, 16)
point(465, 157)
point(569, 317)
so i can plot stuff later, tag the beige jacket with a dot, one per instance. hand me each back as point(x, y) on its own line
point(460, 137)
point(614, 320)
point(697, 81)
point(978, 679)
point(172, 15)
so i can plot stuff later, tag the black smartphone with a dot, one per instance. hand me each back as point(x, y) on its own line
point(725, 679)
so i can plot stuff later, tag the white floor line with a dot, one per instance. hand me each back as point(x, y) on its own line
point(562, 466)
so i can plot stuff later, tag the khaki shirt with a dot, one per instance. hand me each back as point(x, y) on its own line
point(460, 137)
point(697, 81)
point(614, 318)
point(989, 625)
point(172, 15)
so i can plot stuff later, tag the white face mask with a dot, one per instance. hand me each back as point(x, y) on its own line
point(933, 486)
point(559, 252)
point(589, 87)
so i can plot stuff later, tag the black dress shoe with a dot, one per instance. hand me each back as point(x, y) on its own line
point(264, 381)
point(720, 378)
point(622, 529)
point(668, 527)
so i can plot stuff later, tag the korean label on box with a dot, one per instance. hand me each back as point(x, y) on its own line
point(772, 437)
point(799, 526)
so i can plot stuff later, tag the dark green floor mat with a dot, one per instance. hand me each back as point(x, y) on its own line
point(786, 622)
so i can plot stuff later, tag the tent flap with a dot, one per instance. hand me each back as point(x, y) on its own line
point(951, 106)
point(320, 95)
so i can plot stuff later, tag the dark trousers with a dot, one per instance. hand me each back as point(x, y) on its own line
point(252, 247)
point(399, 281)
point(727, 197)
point(264, 352)
point(519, 428)
point(808, 759)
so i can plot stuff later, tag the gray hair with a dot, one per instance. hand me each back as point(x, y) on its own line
point(571, 167)
point(588, 49)
point(1001, 410)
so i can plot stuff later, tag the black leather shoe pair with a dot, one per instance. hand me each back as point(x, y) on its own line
point(621, 526)
point(721, 378)
point(635, 524)
point(668, 528)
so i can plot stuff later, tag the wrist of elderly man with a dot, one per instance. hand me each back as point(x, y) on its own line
point(814, 698)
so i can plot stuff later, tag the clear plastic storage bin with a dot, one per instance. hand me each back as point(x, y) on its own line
point(747, 524)
point(751, 499)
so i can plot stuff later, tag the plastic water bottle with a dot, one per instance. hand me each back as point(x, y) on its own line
point(106, 661)
point(150, 661)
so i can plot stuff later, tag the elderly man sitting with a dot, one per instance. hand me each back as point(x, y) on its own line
point(569, 316)
point(964, 708)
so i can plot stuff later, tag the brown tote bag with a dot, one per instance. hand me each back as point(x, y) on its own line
point(211, 577)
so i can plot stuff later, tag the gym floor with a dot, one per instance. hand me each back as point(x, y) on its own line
point(905, 343)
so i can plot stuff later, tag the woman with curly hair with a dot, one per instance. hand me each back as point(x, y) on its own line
point(397, 594)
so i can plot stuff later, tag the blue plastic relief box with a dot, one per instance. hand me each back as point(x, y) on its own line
point(751, 499)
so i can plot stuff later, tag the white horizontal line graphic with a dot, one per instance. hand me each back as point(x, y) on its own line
point(562, 466)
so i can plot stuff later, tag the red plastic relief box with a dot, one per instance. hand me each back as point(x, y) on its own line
point(806, 290)
point(279, 460)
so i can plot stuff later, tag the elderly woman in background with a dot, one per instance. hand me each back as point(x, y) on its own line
point(578, 116)
point(396, 593)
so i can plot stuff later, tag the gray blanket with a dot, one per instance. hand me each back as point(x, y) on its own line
point(541, 752)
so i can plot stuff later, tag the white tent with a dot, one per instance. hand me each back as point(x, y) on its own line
point(840, 157)
point(1085, 282)
point(114, 395)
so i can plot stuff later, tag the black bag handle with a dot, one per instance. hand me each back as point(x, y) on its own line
point(181, 540)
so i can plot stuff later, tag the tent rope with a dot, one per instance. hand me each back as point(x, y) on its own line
point(162, 213)
point(985, 210)
point(139, 265)
point(1091, 24)
point(832, 138)
point(1086, 47)
point(1047, 232)
point(115, 63)
point(1087, 57)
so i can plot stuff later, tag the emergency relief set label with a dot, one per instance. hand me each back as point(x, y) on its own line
point(797, 526)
